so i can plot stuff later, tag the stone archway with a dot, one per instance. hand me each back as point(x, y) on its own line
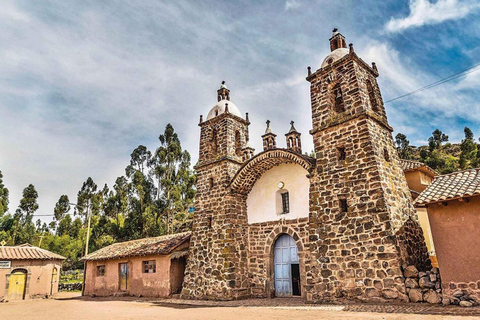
point(254, 168)
point(269, 258)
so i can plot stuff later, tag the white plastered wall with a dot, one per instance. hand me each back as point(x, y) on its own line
point(262, 201)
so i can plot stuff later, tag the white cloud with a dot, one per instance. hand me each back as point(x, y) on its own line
point(292, 4)
point(424, 12)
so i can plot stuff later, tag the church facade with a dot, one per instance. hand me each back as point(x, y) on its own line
point(339, 225)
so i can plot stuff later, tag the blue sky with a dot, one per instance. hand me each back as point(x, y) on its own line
point(82, 83)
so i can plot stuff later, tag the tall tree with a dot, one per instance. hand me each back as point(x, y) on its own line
point(87, 199)
point(3, 196)
point(62, 207)
point(28, 203)
point(436, 140)
point(468, 147)
point(172, 171)
point(405, 151)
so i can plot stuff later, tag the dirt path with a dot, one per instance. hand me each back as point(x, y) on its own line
point(93, 309)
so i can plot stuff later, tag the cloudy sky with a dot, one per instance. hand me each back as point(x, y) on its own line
point(82, 83)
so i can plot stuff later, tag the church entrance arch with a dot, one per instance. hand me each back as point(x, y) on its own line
point(286, 267)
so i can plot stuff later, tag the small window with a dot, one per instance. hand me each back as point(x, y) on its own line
point(386, 155)
point(216, 113)
point(341, 154)
point(101, 270)
point(338, 98)
point(150, 266)
point(285, 202)
point(210, 182)
point(209, 222)
point(343, 205)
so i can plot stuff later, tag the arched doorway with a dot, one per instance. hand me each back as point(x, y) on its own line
point(54, 280)
point(286, 267)
point(17, 284)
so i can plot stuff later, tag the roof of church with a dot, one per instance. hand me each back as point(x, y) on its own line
point(219, 108)
point(334, 56)
point(140, 247)
point(451, 186)
point(27, 252)
point(410, 165)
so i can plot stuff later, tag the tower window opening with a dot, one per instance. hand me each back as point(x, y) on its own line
point(386, 155)
point(214, 140)
point(210, 182)
point(209, 222)
point(338, 98)
point(216, 113)
point(371, 96)
point(342, 155)
point(238, 144)
point(343, 205)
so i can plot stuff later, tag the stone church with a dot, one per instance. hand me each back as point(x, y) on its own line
point(339, 225)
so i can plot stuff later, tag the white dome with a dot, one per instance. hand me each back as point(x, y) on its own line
point(334, 56)
point(219, 108)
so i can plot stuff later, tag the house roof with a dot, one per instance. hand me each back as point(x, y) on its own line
point(410, 165)
point(451, 186)
point(141, 247)
point(27, 252)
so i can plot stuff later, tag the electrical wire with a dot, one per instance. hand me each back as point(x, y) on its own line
point(439, 82)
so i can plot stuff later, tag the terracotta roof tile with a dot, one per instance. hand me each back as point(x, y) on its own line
point(24, 252)
point(410, 165)
point(451, 186)
point(141, 247)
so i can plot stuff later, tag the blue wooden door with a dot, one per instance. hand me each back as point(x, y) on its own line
point(285, 254)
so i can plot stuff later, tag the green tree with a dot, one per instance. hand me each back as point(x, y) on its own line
point(87, 199)
point(62, 207)
point(436, 140)
point(3, 196)
point(405, 151)
point(28, 203)
point(468, 147)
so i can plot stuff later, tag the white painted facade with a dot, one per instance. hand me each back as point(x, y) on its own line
point(264, 201)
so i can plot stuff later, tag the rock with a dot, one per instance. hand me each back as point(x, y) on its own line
point(432, 297)
point(433, 277)
point(403, 297)
point(445, 301)
point(410, 272)
point(415, 295)
point(390, 294)
point(458, 293)
point(422, 274)
point(426, 283)
point(455, 300)
point(411, 283)
point(466, 304)
point(435, 270)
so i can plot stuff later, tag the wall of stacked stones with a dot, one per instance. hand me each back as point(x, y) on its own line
point(217, 266)
point(354, 253)
point(262, 237)
point(456, 292)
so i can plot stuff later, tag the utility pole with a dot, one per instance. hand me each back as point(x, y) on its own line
point(86, 243)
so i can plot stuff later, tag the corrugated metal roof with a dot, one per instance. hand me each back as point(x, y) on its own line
point(27, 252)
point(451, 186)
point(141, 247)
point(410, 165)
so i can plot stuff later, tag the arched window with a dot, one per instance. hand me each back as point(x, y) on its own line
point(238, 144)
point(338, 98)
point(371, 96)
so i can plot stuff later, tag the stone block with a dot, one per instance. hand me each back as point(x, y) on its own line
point(410, 272)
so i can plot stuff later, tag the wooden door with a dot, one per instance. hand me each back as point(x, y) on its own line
point(16, 285)
point(285, 254)
point(123, 276)
point(54, 280)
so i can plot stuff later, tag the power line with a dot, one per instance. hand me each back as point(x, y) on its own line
point(439, 82)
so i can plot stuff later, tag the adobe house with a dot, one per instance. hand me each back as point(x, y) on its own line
point(453, 205)
point(419, 176)
point(150, 267)
point(27, 272)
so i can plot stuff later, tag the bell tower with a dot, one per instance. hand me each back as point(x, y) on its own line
point(217, 220)
point(361, 201)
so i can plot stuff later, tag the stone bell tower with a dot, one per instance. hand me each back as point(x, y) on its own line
point(362, 223)
point(216, 266)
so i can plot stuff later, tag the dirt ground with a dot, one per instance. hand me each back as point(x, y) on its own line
point(70, 306)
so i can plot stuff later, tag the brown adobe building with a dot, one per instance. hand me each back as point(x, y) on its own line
point(149, 267)
point(340, 225)
point(28, 272)
point(453, 205)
